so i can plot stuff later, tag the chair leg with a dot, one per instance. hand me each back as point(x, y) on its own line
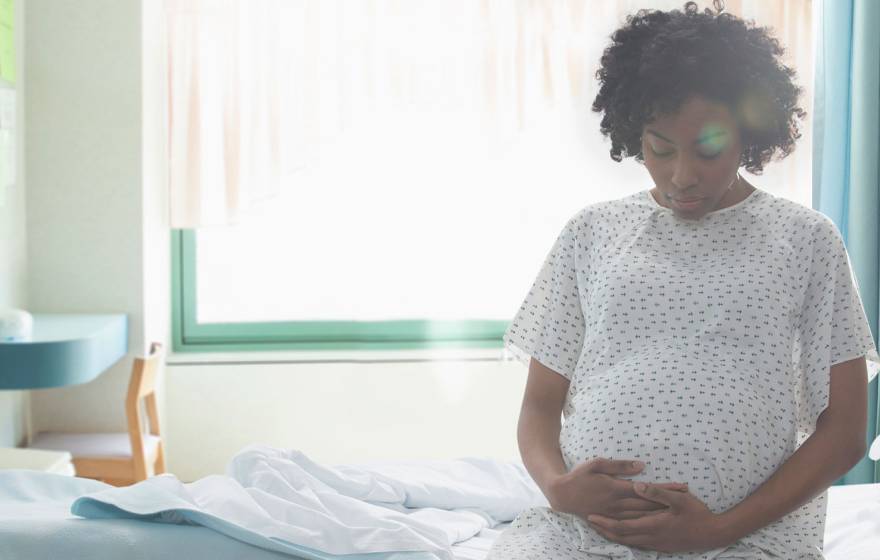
point(159, 465)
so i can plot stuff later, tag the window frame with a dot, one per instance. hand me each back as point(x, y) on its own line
point(190, 336)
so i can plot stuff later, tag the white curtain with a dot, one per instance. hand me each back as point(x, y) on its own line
point(224, 108)
point(259, 88)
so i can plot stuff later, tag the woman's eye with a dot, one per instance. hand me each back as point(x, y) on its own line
point(667, 154)
point(660, 154)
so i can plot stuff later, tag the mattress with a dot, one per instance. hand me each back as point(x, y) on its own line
point(43, 530)
point(112, 539)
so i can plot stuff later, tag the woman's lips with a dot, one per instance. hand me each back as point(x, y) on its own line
point(688, 204)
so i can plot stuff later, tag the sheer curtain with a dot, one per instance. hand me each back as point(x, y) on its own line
point(457, 133)
point(224, 118)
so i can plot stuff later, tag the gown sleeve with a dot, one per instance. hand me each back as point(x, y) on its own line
point(549, 325)
point(831, 327)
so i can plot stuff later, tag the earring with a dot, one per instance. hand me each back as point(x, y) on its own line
point(735, 180)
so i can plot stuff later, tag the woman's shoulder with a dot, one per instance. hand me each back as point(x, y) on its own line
point(611, 210)
point(802, 221)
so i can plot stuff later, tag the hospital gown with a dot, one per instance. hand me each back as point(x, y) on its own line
point(701, 347)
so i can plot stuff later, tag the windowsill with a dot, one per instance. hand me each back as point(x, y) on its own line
point(304, 356)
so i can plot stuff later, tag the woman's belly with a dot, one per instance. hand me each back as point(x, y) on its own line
point(691, 415)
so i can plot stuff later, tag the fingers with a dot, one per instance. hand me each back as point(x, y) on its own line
point(614, 466)
point(680, 486)
point(635, 514)
point(623, 488)
point(624, 467)
point(627, 489)
point(637, 504)
point(626, 527)
point(652, 492)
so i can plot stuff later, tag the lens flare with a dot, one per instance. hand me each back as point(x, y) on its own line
point(756, 110)
point(715, 137)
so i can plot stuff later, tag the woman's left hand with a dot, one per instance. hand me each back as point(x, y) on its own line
point(687, 525)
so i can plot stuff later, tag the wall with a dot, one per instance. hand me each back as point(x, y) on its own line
point(13, 251)
point(338, 412)
point(94, 209)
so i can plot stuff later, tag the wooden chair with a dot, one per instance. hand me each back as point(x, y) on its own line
point(119, 459)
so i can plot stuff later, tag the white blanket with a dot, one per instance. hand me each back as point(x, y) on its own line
point(281, 500)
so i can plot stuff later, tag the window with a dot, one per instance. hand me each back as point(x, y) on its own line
point(425, 156)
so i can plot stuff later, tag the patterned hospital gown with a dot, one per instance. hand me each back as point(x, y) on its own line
point(701, 347)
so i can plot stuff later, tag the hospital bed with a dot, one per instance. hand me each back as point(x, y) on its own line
point(44, 530)
point(114, 539)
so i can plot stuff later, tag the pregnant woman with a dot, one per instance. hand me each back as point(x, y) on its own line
point(705, 328)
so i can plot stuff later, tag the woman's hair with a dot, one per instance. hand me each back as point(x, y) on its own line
point(659, 59)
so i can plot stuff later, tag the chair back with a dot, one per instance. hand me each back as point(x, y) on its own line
point(143, 386)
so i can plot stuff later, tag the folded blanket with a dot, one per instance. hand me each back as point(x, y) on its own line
point(281, 500)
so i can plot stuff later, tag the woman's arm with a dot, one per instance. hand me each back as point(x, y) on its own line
point(539, 425)
point(830, 452)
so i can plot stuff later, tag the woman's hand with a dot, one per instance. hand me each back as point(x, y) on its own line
point(591, 487)
point(686, 525)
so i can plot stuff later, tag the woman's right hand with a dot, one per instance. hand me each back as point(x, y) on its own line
point(592, 487)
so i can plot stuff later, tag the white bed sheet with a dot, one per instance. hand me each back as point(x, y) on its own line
point(852, 528)
point(43, 530)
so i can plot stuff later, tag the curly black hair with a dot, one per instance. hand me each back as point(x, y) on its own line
point(657, 60)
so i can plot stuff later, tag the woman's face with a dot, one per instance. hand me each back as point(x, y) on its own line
point(694, 154)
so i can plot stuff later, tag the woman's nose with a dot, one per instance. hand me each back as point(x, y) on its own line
point(684, 175)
